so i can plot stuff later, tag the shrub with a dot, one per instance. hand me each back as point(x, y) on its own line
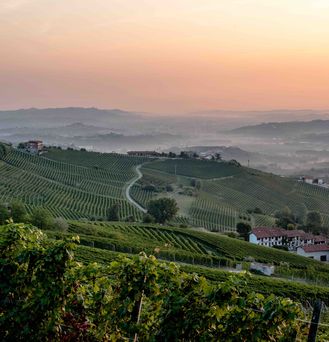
point(41, 218)
point(60, 224)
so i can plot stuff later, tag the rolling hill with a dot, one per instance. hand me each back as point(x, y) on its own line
point(212, 195)
point(200, 252)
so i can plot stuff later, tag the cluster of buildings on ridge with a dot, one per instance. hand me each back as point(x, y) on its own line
point(182, 154)
point(313, 181)
point(305, 244)
point(32, 146)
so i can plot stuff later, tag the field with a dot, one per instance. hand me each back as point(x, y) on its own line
point(212, 195)
point(69, 190)
point(226, 192)
point(198, 252)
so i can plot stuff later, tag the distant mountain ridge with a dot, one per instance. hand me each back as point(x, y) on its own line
point(284, 128)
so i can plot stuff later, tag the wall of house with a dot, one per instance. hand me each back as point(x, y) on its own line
point(314, 255)
point(253, 239)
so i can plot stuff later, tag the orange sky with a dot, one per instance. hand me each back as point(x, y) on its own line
point(165, 56)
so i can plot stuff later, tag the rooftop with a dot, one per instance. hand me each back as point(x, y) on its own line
point(315, 248)
point(268, 232)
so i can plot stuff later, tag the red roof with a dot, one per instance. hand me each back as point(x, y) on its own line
point(308, 236)
point(315, 248)
point(268, 232)
point(295, 232)
point(263, 232)
point(320, 238)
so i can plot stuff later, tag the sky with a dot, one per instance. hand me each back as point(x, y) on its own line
point(165, 56)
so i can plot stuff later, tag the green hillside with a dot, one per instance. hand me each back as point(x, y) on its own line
point(211, 195)
point(226, 192)
point(69, 190)
point(199, 252)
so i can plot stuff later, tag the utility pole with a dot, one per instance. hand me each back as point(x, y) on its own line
point(315, 321)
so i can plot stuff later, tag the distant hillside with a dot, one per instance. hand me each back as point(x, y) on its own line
point(212, 195)
point(283, 129)
point(34, 117)
point(226, 152)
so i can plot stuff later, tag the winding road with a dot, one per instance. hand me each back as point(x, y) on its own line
point(130, 184)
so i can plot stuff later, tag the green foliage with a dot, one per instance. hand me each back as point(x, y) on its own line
point(65, 182)
point(32, 273)
point(147, 218)
point(314, 221)
point(243, 229)
point(45, 295)
point(113, 213)
point(193, 247)
point(18, 211)
point(195, 168)
point(4, 214)
point(285, 217)
point(42, 218)
point(60, 224)
point(162, 209)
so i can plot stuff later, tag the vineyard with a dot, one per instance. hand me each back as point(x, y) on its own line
point(213, 195)
point(47, 295)
point(188, 246)
point(198, 252)
point(227, 193)
point(68, 190)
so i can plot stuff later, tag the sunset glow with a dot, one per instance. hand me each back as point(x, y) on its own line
point(165, 56)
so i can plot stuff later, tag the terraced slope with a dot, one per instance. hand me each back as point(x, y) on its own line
point(226, 192)
point(77, 184)
point(192, 247)
point(69, 190)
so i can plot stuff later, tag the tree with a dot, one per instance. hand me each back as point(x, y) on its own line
point(21, 146)
point(42, 218)
point(113, 212)
point(314, 221)
point(162, 209)
point(285, 217)
point(243, 229)
point(18, 212)
point(147, 218)
point(60, 224)
point(4, 214)
point(149, 187)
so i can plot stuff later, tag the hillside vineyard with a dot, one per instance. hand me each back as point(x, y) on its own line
point(78, 184)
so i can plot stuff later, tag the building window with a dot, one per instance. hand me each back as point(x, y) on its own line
point(323, 258)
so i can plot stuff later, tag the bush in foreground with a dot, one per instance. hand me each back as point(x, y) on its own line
point(46, 295)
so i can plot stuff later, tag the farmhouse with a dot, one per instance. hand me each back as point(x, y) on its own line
point(292, 239)
point(317, 252)
point(32, 146)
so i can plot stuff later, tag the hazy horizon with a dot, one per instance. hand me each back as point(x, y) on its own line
point(165, 56)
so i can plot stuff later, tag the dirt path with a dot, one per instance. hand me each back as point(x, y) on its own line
point(129, 186)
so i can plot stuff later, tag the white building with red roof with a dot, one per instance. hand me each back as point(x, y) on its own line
point(292, 239)
point(317, 252)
